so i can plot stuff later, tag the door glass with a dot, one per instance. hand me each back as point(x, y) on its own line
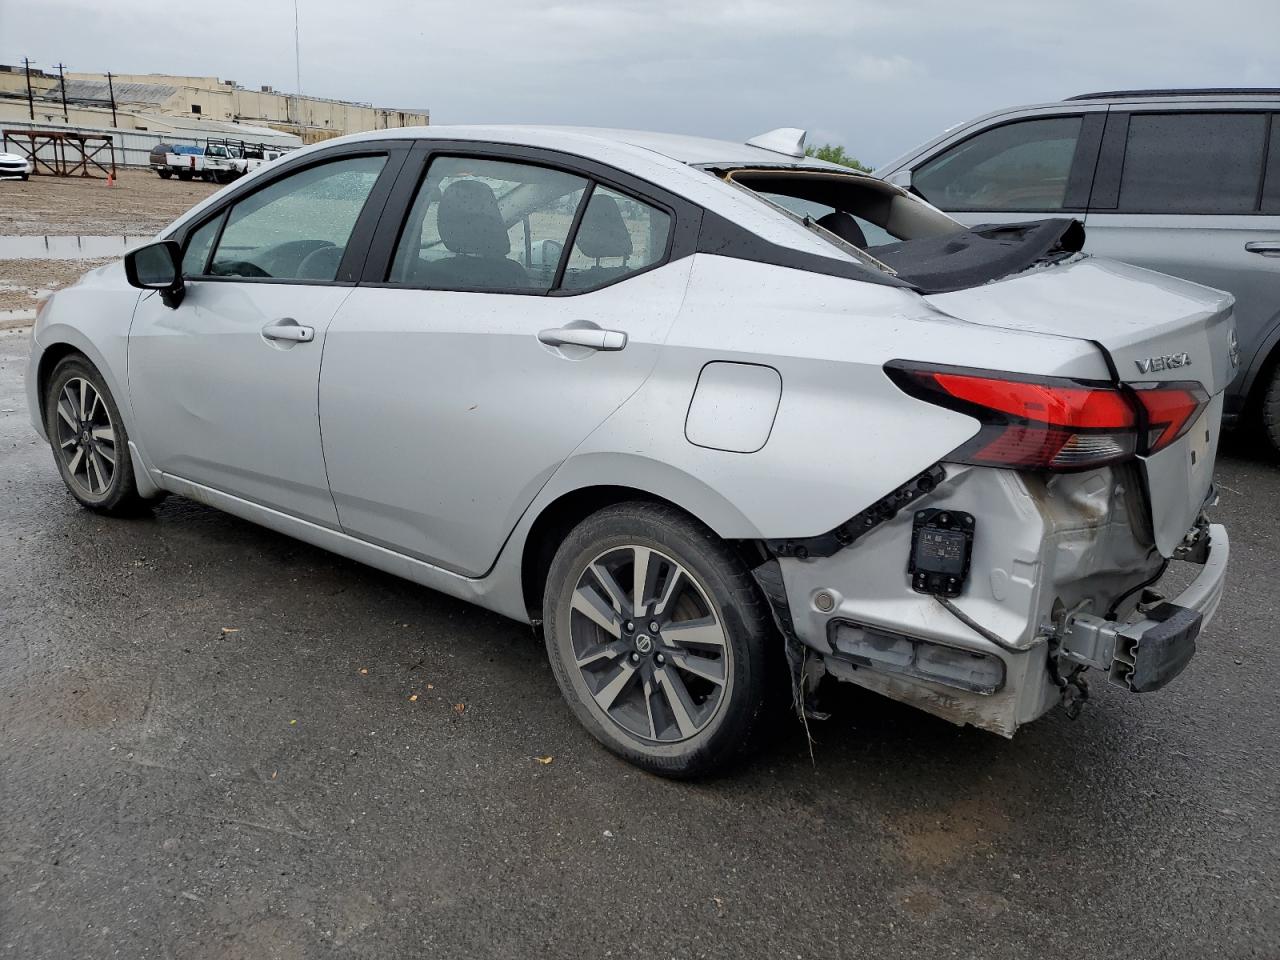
point(297, 228)
point(1192, 163)
point(618, 236)
point(1017, 166)
point(489, 225)
point(197, 253)
point(1271, 191)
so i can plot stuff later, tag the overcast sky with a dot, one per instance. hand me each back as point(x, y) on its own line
point(877, 76)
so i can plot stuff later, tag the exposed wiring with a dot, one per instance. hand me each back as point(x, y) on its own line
point(979, 629)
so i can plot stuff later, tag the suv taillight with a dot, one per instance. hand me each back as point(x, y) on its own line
point(1050, 423)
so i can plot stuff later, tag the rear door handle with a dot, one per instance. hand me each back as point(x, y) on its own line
point(1265, 248)
point(592, 337)
point(289, 329)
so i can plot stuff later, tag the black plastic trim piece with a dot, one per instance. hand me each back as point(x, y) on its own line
point(860, 524)
point(1164, 651)
point(1157, 93)
point(724, 238)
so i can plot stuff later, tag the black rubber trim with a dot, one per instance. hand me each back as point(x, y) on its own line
point(886, 508)
point(724, 238)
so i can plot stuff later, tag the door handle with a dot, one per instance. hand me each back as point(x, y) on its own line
point(290, 330)
point(591, 337)
point(1265, 248)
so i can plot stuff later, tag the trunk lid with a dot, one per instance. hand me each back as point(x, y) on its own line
point(1153, 329)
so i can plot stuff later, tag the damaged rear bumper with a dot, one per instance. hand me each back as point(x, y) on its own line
point(1145, 654)
point(1045, 553)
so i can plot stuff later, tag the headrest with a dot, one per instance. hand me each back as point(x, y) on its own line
point(469, 220)
point(602, 232)
point(844, 226)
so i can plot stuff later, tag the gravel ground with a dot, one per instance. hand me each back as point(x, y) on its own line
point(139, 205)
point(208, 748)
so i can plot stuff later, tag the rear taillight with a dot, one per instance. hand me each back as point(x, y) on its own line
point(1169, 410)
point(1049, 423)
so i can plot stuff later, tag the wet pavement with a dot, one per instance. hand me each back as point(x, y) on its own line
point(208, 748)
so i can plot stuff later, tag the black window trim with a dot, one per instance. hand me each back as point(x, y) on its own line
point(357, 250)
point(1106, 192)
point(1086, 128)
point(682, 237)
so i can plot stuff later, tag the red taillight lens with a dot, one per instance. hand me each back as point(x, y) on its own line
point(1052, 423)
point(1171, 409)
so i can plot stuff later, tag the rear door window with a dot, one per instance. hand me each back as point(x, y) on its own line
point(1271, 190)
point(618, 236)
point(1020, 166)
point(1193, 163)
point(487, 225)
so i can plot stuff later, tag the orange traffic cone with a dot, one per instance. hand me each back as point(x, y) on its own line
point(111, 179)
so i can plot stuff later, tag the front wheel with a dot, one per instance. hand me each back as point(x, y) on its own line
point(1270, 410)
point(88, 438)
point(165, 174)
point(657, 637)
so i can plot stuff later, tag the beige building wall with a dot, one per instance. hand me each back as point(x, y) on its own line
point(311, 118)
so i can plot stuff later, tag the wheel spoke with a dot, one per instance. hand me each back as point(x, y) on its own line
point(705, 667)
point(69, 442)
point(93, 404)
point(613, 593)
point(670, 588)
point(609, 693)
point(590, 605)
point(705, 632)
point(677, 697)
point(640, 577)
point(601, 651)
point(83, 389)
point(109, 457)
point(106, 434)
point(74, 465)
point(647, 686)
point(67, 411)
point(95, 470)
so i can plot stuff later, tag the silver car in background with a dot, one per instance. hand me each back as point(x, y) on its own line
point(713, 416)
point(1186, 182)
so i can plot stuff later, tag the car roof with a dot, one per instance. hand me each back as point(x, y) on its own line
point(695, 151)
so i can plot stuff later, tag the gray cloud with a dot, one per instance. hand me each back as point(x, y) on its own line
point(874, 75)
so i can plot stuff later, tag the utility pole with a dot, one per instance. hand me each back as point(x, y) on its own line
point(31, 103)
point(63, 79)
point(297, 70)
point(112, 91)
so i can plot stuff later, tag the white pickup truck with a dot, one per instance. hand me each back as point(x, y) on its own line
point(218, 163)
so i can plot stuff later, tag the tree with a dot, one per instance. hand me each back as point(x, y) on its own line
point(834, 153)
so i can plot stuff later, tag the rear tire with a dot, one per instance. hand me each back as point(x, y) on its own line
point(88, 438)
point(165, 174)
point(684, 700)
point(1270, 411)
point(184, 174)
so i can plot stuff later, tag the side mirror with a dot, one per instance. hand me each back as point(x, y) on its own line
point(157, 266)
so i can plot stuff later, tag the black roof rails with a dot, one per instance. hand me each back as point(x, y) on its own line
point(1184, 92)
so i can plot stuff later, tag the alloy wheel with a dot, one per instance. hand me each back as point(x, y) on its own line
point(649, 644)
point(86, 437)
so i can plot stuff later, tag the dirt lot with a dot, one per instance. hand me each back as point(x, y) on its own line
point(138, 205)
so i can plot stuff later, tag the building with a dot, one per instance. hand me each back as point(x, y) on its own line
point(188, 107)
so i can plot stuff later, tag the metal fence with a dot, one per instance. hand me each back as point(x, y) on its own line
point(133, 147)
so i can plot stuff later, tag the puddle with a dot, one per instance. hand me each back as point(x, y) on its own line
point(67, 248)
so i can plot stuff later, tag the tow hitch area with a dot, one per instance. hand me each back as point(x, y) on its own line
point(1145, 654)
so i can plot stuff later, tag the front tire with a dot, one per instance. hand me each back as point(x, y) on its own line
point(165, 174)
point(1269, 411)
point(657, 637)
point(89, 441)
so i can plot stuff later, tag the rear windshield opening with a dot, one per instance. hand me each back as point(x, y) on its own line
point(906, 236)
point(861, 211)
